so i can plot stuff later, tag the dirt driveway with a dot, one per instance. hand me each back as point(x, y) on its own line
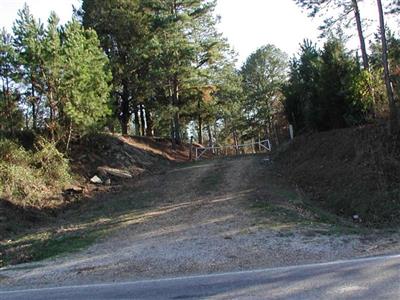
point(214, 216)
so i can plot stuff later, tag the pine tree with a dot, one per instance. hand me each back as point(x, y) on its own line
point(264, 73)
point(11, 118)
point(324, 88)
point(52, 70)
point(85, 80)
point(28, 37)
point(123, 29)
point(301, 90)
point(189, 45)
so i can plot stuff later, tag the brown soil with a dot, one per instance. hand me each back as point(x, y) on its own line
point(126, 153)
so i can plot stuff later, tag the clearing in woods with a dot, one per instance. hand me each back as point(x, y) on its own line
point(211, 216)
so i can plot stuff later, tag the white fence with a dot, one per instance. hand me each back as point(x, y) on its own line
point(264, 145)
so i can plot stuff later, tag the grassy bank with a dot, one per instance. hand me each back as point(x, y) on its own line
point(348, 171)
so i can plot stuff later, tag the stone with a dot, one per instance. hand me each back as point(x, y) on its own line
point(96, 180)
point(73, 189)
point(115, 172)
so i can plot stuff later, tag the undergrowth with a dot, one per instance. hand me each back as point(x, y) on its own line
point(30, 177)
point(352, 171)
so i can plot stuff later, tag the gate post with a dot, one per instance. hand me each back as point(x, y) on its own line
point(291, 131)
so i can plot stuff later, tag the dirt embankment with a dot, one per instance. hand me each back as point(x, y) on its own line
point(113, 158)
point(350, 171)
point(134, 155)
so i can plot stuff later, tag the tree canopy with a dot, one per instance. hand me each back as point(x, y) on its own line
point(152, 67)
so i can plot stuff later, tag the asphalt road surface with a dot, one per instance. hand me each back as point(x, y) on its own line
point(369, 278)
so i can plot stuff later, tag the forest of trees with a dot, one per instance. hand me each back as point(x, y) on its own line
point(161, 68)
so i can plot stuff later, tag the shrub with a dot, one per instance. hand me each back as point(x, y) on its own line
point(29, 178)
point(12, 153)
point(51, 164)
point(20, 184)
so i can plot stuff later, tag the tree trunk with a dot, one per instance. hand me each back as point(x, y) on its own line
point(69, 137)
point(142, 120)
point(200, 121)
point(191, 149)
point(175, 102)
point(363, 52)
point(177, 127)
point(276, 134)
point(124, 126)
point(149, 122)
point(215, 134)
point(34, 110)
point(360, 34)
point(173, 140)
point(210, 142)
point(394, 124)
point(137, 120)
point(34, 115)
point(235, 139)
point(200, 131)
point(125, 111)
point(110, 126)
point(26, 120)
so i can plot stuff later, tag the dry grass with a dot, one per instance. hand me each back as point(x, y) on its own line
point(350, 171)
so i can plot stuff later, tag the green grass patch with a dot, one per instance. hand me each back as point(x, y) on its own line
point(43, 245)
point(285, 208)
point(62, 244)
point(77, 228)
point(211, 181)
point(278, 213)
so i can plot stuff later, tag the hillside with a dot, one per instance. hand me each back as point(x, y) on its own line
point(350, 171)
point(134, 155)
point(95, 155)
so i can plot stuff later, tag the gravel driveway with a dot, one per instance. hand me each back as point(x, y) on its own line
point(203, 221)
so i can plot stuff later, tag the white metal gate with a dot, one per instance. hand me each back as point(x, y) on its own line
point(265, 145)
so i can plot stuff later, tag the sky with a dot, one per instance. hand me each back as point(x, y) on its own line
point(247, 24)
point(250, 24)
point(39, 8)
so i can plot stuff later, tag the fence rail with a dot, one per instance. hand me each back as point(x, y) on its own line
point(264, 145)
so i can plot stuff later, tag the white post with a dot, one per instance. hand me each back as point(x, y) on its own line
point(291, 131)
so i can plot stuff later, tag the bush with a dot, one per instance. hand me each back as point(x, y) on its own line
point(12, 153)
point(29, 178)
point(51, 164)
point(20, 184)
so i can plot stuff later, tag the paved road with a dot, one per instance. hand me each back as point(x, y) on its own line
point(370, 278)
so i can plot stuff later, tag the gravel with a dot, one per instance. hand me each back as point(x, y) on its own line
point(200, 231)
